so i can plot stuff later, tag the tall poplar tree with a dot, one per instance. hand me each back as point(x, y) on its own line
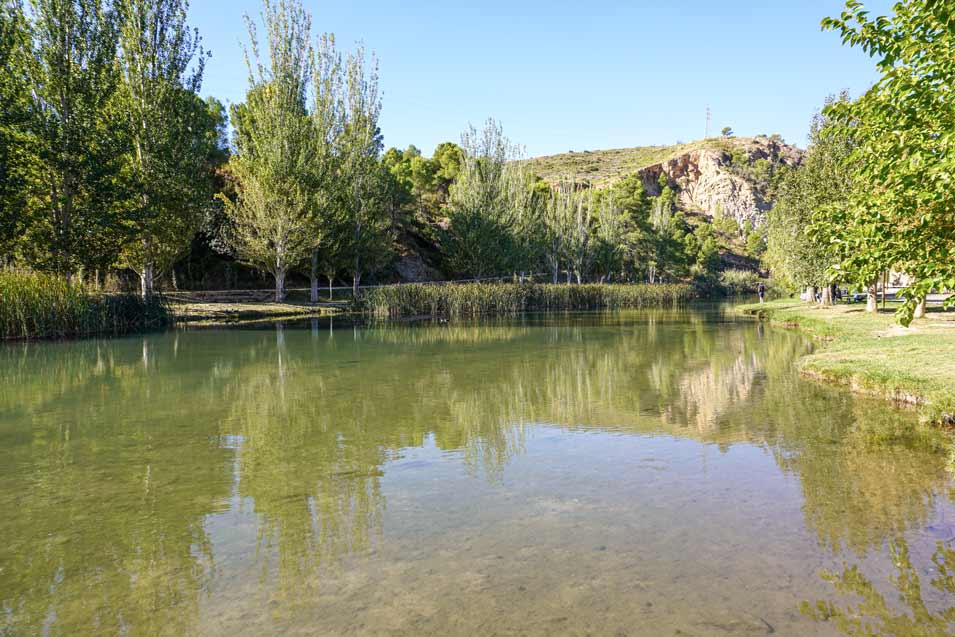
point(366, 228)
point(328, 122)
point(162, 63)
point(800, 251)
point(484, 208)
point(15, 147)
point(72, 81)
point(272, 215)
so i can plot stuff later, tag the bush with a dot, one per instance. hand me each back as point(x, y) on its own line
point(740, 282)
point(478, 299)
point(38, 305)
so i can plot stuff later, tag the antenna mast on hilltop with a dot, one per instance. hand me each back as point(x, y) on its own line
point(707, 133)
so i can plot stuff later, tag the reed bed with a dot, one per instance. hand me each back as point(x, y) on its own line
point(482, 299)
point(38, 305)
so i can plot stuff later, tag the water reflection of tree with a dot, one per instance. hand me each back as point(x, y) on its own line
point(311, 472)
point(866, 472)
point(102, 512)
point(320, 415)
point(875, 615)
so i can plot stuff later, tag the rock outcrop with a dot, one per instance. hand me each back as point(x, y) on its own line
point(735, 181)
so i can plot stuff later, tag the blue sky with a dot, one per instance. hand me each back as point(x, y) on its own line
point(563, 75)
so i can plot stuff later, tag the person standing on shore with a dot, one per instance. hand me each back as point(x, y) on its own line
point(761, 290)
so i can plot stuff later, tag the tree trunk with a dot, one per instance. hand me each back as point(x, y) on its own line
point(885, 286)
point(146, 280)
point(578, 276)
point(811, 294)
point(314, 277)
point(355, 281)
point(568, 276)
point(330, 277)
point(280, 286)
point(827, 295)
point(872, 298)
point(175, 285)
point(921, 307)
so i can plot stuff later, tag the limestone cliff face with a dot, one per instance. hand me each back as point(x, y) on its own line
point(713, 180)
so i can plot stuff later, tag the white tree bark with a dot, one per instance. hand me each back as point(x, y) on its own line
point(314, 277)
point(872, 298)
point(921, 308)
point(827, 295)
point(280, 286)
point(146, 280)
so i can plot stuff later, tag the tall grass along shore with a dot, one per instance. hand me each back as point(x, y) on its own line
point(872, 354)
point(35, 305)
point(481, 299)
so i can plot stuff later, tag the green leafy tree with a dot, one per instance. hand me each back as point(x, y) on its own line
point(609, 243)
point(367, 229)
point(328, 121)
point(726, 132)
point(484, 209)
point(556, 222)
point(904, 155)
point(75, 208)
point(580, 248)
point(271, 218)
point(813, 193)
point(169, 128)
point(755, 243)
point(448, 159)
point(16, 157)
point(630, 196)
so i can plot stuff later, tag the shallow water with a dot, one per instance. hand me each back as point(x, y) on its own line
point(639, 473)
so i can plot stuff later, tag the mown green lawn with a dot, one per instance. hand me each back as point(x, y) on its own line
point(872, 353)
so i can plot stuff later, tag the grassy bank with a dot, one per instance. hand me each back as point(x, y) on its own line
point(482, 299)
point(37, 305)
point(871, 353)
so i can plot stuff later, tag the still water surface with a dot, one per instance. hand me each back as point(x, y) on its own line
point(634, 473)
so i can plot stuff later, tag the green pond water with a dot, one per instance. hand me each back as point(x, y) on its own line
point(632, 473)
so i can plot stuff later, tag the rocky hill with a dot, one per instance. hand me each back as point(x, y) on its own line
point(728, 176)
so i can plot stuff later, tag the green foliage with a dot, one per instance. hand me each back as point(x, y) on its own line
point(737, 282)
point(40, 305)
point(764, 174)
point(727, 224)
point(366, 238)
point(900, 216)
point(701, 248)
point(488, 205)
point(168, 127)
point(817, 189)
point(425, 183)
point(755, 243)
point(275, 193)
point(726, 132)
point(16, 158)
point(75, 212)
point(478, 299)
